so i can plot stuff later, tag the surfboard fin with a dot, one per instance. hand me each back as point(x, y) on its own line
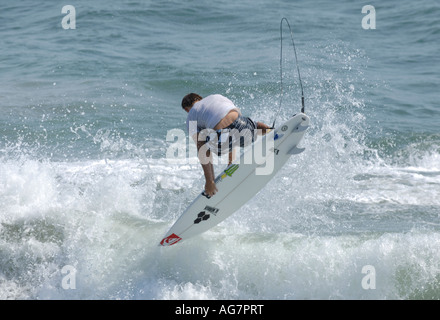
point(296, 150)
point(300, 128)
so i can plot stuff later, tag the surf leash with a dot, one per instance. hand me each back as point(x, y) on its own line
point(281, 69)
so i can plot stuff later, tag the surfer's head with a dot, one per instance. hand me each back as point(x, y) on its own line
point(189, 100)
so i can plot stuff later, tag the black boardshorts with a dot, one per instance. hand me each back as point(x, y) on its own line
point(242, 132)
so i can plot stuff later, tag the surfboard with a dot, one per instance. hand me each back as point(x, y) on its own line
point(241, 180)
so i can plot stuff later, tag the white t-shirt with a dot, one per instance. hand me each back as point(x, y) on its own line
point(208, 112)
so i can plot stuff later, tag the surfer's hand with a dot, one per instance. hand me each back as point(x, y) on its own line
point(210, 188)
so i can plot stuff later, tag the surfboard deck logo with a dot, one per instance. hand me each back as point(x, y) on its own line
point(227, 173)
point(170, 240)
point(202, 216)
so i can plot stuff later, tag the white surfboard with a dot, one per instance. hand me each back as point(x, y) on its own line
point(241, 180)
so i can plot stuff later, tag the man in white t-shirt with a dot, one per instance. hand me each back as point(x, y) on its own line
point(216, 125)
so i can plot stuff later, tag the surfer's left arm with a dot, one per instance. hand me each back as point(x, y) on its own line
point(231, 156)
point(205, 158)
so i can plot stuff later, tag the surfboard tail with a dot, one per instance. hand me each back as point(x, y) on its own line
point(170, 240)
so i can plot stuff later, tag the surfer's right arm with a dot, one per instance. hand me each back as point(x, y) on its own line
point(205, 158)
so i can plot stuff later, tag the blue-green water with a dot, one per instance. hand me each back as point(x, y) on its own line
point(85, 181)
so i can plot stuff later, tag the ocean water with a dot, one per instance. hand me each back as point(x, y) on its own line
point(87, 192)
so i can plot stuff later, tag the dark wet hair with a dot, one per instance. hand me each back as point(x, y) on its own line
point(190, 99)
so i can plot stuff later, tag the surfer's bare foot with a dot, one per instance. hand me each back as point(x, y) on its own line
point(210, 188)
point(263, 127)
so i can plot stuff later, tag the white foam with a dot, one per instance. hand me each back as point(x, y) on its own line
point(106, 217)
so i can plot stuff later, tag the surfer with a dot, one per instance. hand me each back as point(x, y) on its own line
point(217, 125)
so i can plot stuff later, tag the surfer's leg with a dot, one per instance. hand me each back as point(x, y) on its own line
point(263, 127)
